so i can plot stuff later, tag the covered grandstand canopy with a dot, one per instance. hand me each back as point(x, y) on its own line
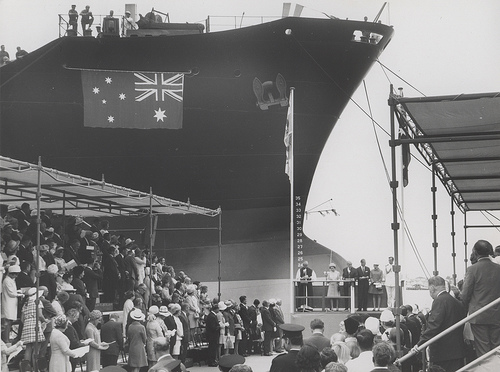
point(65, 193)
point(459, 136)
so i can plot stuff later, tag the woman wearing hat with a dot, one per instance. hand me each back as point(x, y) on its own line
point(91, 331)
point(153, 330)
point(376, 287)
point(333, 286)
point(59, 347)
point(193, 308)
point(136, 338)
point(28, 318)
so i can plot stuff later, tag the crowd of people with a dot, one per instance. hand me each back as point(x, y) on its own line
point(156, 316)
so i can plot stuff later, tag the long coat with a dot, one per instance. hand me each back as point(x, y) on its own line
point(153, 330)
point(94, 355)
point(9, 298)
point(60, 352)
point(136, 336)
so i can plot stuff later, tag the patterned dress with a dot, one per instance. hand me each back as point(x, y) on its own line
point(29, 314)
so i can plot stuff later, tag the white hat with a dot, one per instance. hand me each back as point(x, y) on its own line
point(372, 324)
point(154, 310)
point(163, 311)
point(137, 315)
point(129, 241)
point(387, 316)
point(222, 306)
point(14, 269)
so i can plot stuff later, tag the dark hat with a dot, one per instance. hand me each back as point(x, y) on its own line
point(291, 330)
point(229, 360)
point(351, 325)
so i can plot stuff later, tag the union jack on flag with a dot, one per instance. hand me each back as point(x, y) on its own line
point(159, 85)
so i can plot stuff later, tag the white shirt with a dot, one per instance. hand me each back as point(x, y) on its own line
point(363, 363)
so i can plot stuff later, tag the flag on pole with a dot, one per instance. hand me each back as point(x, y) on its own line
point(288, 139)
point(406, 154)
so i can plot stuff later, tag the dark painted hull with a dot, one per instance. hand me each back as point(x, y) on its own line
point(229, 152)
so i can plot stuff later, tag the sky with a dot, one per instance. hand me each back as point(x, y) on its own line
point(441, 47)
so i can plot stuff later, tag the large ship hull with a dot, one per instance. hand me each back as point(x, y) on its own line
point(229, 151)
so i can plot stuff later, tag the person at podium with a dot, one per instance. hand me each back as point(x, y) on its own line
point(304, 276)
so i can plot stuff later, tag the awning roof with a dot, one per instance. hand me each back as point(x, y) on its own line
point(460, 135)
point(79, 196)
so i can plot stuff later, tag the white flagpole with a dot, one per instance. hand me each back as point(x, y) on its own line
point(292, 201)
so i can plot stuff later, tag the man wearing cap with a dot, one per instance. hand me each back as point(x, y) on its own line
point(212, 334)
point(165, 361)
point(292, 334)
point(317, 338)
point(226, 362)
point(128, 22)
point(10, 297)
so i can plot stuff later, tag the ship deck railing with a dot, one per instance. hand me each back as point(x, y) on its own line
point(300, 301)
point(211, 23)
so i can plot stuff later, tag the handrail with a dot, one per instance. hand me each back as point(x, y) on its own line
point(479, 360)
point(417, 349)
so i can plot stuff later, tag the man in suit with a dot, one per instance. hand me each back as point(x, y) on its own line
point(449, 351)
point(111, 274)
point(71, 252)
point(253, 311)
point(165, 361)
point(292, 334)
point(268, 327)
point(363, 275)
point(348, 275)
point(74, 340)
point(112, 333)
point(120, 262)
point(245, 343)
point(481, 286)
point(212, 333)
point(317, 338)
point(92, 278)
point(305, 275)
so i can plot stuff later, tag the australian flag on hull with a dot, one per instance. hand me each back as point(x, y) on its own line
point(135, 100)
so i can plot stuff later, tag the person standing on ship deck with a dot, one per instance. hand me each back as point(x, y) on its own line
point(304, 276)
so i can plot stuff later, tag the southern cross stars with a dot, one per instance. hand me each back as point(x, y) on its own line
point(159, 115)
point(108, 80)
point(95, 90)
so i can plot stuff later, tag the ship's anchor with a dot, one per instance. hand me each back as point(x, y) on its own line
point(270, 93)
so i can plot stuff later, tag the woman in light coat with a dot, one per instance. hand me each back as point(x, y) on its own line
point(153, 330)
point(59, 347)
point(91, 331)
point(136, 338)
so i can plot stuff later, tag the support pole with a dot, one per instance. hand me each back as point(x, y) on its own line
point(150, 246)
point(434, 221)
point(292, 200)
point(466, 256)
point(395, 223)
point(220, 253)
point(37, 299)
point(453, 254)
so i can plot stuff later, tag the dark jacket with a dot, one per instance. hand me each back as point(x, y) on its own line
point(445, 312)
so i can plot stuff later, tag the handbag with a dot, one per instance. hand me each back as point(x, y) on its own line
point(229, 344)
